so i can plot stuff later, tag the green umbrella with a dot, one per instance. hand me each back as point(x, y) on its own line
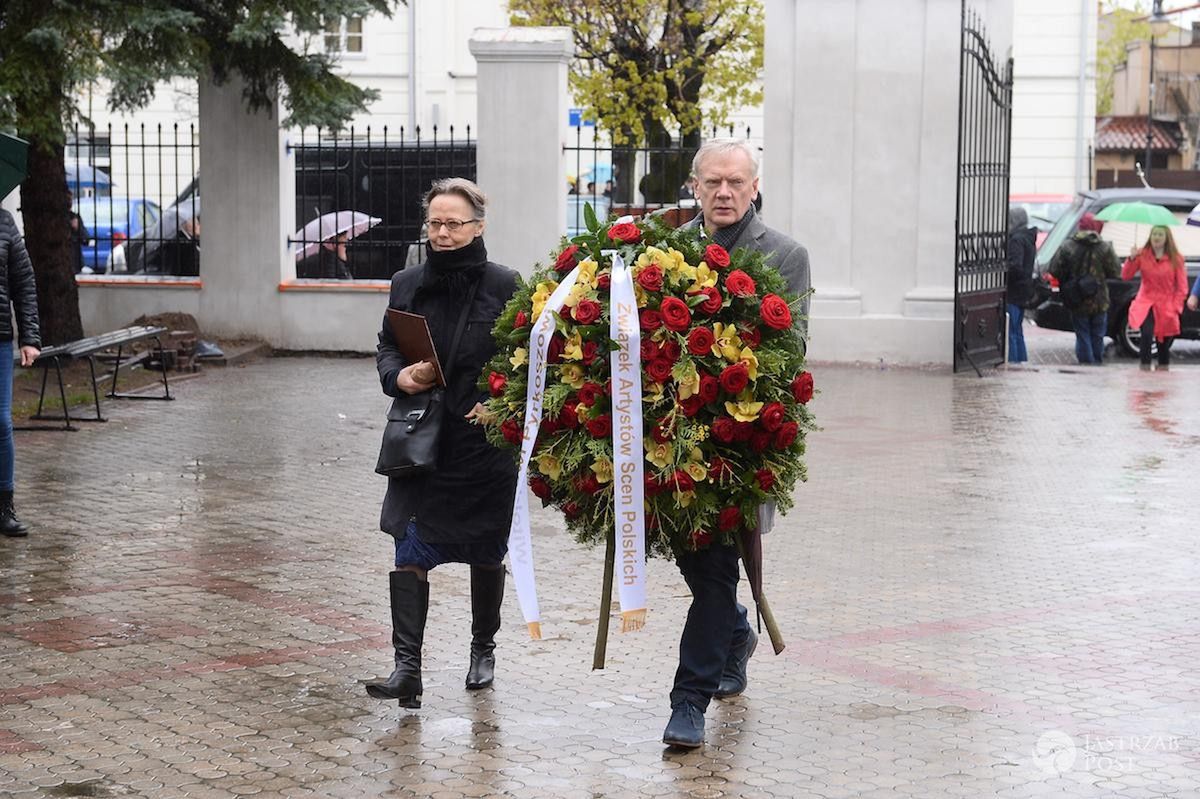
point(1139, 213)
point(12, 162)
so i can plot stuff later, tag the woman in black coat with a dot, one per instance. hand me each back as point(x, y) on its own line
point(17, 290)
point(461, 512)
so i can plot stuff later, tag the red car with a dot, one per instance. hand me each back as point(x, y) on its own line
point(1043, 209)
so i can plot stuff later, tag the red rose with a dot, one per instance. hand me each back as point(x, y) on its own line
point(742, 431)
point(603, 280)
point(590, 392)
point(750, 336)
point(566, 259)
point(772, 416)
point(802, 387)
point(555, 350)
point(571, 509)
point(735, 377)
point(496, 383)
point(652, 486)
point(659, 370)
point(701, 538)
point(512, 432)
point(700, 341)
point(590, 350)
point(729, 519)
point(709, 387)
point(588, 484)
point(717, 256)
point(760, 440)
point(626, 232)
point(650, 320)
point(719, 469)
point(723, 429)
point(682, 481)
point(648, 349)
point(739, 284)
point(540, 488)
point(549, 427)
point(586, 311)
point(651, 278)
point(670, 350)
point(766, 479)
point(520, 320)
point(775, 312)
point(600, 426)
point(663, 430)
point(714, 301)
point(564, 313)
point(692, 405)
point(786, 435)
point(675, 313)
point(568, 417)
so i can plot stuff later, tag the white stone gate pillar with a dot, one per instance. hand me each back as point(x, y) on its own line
point(522, 96)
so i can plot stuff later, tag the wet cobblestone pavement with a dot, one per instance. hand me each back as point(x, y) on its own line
point(989, 589)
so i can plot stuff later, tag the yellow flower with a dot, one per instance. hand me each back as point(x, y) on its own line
point(700, 433)
point(549, 465)
point(745, 409)
point(583, 412)
point(697, 471)
point(573, 349)
point(541, 295)
point(519, 358)
point(727, 345)
point(704, 278)
point(652, 393)
point(604, 470)
point(684, 498)
point(748, 357)
point(690, 383)
point(658, 454)
point(572, 375)
point(587, 273)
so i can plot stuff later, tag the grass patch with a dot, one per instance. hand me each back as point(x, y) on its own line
point(27, 383)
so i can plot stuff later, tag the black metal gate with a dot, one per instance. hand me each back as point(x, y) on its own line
point(981, 209)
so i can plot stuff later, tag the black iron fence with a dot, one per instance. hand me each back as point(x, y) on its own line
point(621, 179)
point(123, 180)
point(358, 197)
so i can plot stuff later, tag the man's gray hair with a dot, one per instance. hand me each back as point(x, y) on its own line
point(720, 146)
point(460, 187)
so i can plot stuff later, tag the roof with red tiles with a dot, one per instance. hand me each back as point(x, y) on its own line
point(1124, 133)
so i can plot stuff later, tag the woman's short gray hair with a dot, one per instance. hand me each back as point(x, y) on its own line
point(461, 187)
point(720, 146)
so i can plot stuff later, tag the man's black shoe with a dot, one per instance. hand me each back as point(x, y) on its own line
point(686, 727)
point(733, 681)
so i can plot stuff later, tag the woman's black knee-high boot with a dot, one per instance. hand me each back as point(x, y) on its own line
point(410, 607)
point(487, 592)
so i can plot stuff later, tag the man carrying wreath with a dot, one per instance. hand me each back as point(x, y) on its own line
point(717, 638)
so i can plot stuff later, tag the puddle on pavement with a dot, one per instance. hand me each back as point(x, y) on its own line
point(88, 788)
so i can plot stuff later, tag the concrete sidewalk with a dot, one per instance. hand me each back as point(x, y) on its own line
point(989, 588)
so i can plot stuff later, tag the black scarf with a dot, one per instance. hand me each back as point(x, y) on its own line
point(453, 271)
point(728, 236)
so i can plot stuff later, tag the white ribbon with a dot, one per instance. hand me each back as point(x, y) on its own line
point(520, 543)
point(629, 527)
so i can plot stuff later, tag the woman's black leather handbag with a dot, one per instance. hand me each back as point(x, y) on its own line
point(414, 425)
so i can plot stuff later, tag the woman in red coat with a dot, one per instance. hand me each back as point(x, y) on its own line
point(1159, 301)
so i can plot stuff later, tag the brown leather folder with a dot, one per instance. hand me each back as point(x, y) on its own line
point(411, 332)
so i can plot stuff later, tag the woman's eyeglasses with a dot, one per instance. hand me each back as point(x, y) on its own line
point(453, 225)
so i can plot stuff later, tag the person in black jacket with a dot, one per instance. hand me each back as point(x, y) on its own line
point(1022, 247)
point(19, 293)
point(461, 512)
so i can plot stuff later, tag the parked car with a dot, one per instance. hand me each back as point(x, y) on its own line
point(110, 222)
point(1043, 209)
point(1050, 312)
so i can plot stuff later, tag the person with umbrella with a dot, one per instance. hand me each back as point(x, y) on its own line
point(321, 244)
point(462, 511)
point(717, 639)
point(17, 293)
point(1160, 298)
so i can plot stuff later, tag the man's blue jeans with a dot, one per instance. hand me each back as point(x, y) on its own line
point(1016, 334)
point(7, 455)
point(1089, 336)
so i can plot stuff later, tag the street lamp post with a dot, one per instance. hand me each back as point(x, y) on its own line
point(1157, 23)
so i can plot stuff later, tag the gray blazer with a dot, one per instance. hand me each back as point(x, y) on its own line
point(783, 253)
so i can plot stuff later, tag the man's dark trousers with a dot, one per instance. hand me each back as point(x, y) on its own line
point(716, 622)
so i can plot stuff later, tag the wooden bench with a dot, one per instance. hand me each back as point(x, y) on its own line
point(86, 349)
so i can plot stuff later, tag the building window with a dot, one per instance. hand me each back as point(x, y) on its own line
point(344, 35)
